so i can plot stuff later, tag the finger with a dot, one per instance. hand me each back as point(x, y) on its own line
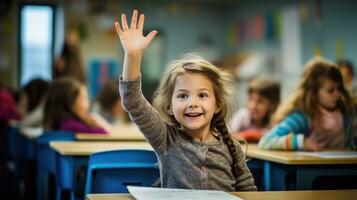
point(117, 28)
point(134, 20)
point(124, 23)
point(150, 37)
point(141, 22)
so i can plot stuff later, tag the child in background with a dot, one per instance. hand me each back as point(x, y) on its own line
point(30, 105)
point(190, 137)
point(67, 108)
point(253, 122)
point(347, 71)
point(108, 104)
point(319, 115)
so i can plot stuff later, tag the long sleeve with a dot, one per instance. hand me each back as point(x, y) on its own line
point(144, 115)
point(288, 134)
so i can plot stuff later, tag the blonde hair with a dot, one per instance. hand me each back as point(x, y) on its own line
point(304, 98)
point(223, 87)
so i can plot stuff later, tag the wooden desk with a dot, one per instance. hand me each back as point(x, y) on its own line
point(290, 195)
point(81, 148)
point(295, 157)
point(277, 165)
point(71, 156)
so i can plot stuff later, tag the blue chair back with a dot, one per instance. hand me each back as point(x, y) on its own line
point(46, 160)
point(112, 171)
point(45, 155)
point(15, 143)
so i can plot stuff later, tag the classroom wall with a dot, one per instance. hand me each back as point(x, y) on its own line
point(8, 44)
point(187, 25)
point(183, 25)
point(332, 32)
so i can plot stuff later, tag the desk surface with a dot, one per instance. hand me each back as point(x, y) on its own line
point(294, 157)
point(81, 148)
point(291, 195)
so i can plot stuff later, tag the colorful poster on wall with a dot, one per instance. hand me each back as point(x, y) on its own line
point(100, 72)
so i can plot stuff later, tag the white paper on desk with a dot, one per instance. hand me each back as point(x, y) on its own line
point(332, 154)
point(149, 193)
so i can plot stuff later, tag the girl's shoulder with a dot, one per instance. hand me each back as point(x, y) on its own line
point(297, 117)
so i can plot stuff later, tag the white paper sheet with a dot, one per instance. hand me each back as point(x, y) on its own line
point(332, 154)
point(149, 193)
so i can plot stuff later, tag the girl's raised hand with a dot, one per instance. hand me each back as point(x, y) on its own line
point(132, 38)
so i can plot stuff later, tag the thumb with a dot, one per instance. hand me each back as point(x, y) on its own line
point(150, 37)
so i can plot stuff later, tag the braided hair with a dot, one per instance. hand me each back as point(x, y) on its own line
point(230, 142)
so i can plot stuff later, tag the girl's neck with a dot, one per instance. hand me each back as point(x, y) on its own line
point(323, 108)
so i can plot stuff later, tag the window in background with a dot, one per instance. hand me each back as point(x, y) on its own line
point(36, 42)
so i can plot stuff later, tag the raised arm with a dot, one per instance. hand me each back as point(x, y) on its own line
point(134, 44)
point(133, 101)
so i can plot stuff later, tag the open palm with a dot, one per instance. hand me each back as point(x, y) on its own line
point(132, 38)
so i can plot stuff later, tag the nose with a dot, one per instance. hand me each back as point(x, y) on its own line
point(193, 102)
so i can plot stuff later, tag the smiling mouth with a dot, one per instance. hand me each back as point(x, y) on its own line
point(193, 114)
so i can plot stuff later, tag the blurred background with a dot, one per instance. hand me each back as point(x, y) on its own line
point(249, 38)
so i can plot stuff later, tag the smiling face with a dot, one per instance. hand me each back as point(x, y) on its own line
point(328, 94)
point(193, 103)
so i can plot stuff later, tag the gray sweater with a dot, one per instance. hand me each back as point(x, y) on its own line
point(184, 162)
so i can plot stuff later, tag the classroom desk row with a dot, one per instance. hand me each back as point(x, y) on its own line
point(276, 165)
point(283, 195)
point(291, 170)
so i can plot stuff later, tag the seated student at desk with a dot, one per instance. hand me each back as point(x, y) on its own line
point(319, 115)
point(66, 108)
point(252, 122)
point(108, 104)
point(30, 106)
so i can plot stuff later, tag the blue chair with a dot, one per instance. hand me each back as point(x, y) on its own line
point(46, 163)
point(14, 150)
point(112, 171)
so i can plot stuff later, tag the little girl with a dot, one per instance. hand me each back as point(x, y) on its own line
point(253, 122)
point(66, 108)
point(190, 136)
point(319, 115)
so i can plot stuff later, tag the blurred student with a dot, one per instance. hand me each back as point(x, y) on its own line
point(30, 105)
point(70, 62)
point(319, 115)
point(252, 122)
point(108, 104)
point(189, 133)
point(67, 108)
point(8, 109)
point(347, 71)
